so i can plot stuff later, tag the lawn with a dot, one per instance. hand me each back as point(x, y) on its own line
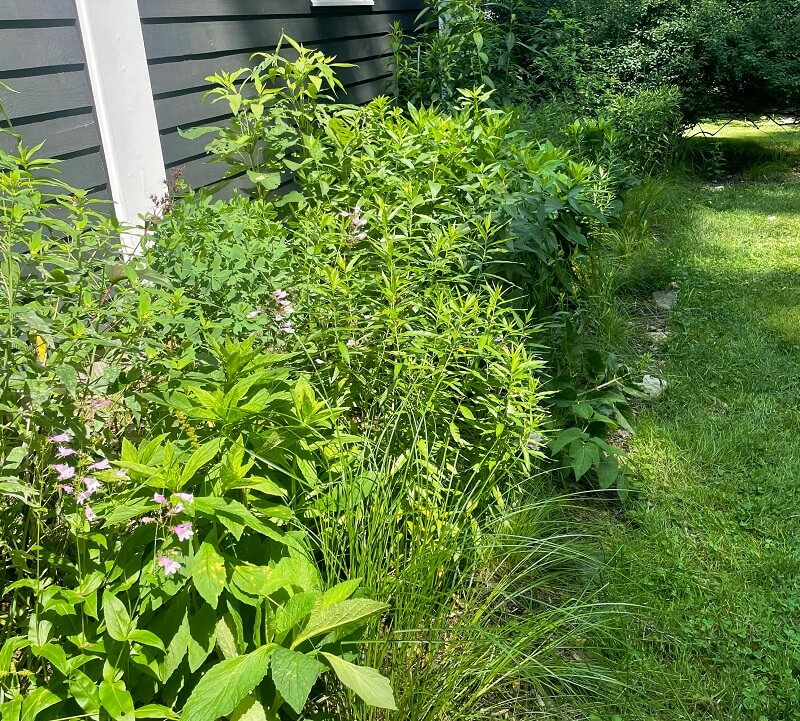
point(710, 549)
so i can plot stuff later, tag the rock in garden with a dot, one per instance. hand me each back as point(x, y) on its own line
point(665, 299)
point(653, 386)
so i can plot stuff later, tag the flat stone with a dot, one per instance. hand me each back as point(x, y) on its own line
point(658, 336)
point(653, 386)
point(665, 299)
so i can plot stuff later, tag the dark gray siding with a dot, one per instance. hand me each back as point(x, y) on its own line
point(41, 56)
point(187, 40)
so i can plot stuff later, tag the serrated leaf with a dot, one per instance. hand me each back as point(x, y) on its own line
point(295, 610)
point(337, 615)
point(226, 638)
point(208, 571)
point(294, 675)
point(221, 690)
point(340, 592)
point(368, 684)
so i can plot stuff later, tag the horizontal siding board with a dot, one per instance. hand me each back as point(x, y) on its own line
point(188, 40)
point(37, 10)
point(223, 36)
point(178, 75)
point(61, 136)
point(26, 48)
point(189, 9)
point(47, 94)
point(84, 171)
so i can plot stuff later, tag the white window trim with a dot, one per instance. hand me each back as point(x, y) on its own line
point(126, 116)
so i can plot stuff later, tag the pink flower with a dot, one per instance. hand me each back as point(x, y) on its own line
point(187, 497)
point(92, 485)
point(148, 519)
point(90, 514)
point(358, 222)
point(183, 531)
point(279, 295)
point(121, 474)
point(177, 508)
point(254, 313)
point(64, 452)
point(360, 236)
point(82, 497)
point(64, 437)
point(101, 465)
point(97, 404)
point(64, 471)
point(66, 489)
point(287, 328)
point(159, 498)
point(169, 565)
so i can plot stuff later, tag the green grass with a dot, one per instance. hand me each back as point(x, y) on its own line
point(710, 549)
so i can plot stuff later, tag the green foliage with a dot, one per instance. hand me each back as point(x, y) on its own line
point(726, 56)
point(273, 104)
point(344, 386)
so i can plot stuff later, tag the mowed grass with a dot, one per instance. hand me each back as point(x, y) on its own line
point(710, 549)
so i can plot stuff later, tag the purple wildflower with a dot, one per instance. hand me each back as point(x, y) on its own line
point(90, 514)
point(65, 488)
point(64, 452)
point(97, 404)
point(177, 508)
point(101, 465)
point(159, 498)
point(183, 531)
point(64, 437)
point(169, 565)
point(92, 485)
point(64, 471)
point(187, 497)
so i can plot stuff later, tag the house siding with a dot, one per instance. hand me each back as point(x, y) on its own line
point(187, 40)
point(42, 58)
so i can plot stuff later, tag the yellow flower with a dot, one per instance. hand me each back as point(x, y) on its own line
point(40, 347)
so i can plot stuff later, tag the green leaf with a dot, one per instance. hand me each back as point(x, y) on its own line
point(208, 571)
point(115, 699)
point(37, 701)
point(337, 615)
point(250, 709)
point(607, 472)
point(268, 181)
point(54, 654)
point(294, 675)
point(340, 592)
point(582, 456)
point(202, 630)
point(226, 638)
point(146, 638)
point(156, 711)
point(563, 439)
point(202, 456)
point(221, 690)
point(367, 683)
point(118, 622)
point(85, 692)
point(295, 610)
